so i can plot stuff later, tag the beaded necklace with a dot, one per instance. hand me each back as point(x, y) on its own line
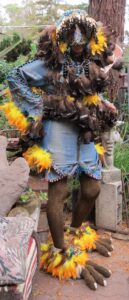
point(80, 67)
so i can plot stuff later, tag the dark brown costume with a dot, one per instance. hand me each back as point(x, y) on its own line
point(70, 70)
point(91, 119)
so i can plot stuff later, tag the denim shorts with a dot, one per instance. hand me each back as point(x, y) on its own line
point(70, 157)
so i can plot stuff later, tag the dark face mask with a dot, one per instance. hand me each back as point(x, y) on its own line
point(78, 38)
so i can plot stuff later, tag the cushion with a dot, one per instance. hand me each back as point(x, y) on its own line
point(15, 233)
point(23, 290)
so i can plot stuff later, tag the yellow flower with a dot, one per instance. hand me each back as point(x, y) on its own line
point(91, 99)
point(100, 149)
point(63, 47)
point(98, 48)
point(38, 158)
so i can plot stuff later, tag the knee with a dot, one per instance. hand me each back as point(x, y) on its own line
point(91, 189)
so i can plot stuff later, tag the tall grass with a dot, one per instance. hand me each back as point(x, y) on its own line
point(121, 157)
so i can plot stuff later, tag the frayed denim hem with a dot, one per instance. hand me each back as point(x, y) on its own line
point(58, 173)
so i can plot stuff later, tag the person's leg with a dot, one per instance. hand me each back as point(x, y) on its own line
point(57, 193)
point(89, 191)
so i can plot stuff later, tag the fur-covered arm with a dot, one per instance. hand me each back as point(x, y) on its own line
point(21, 80)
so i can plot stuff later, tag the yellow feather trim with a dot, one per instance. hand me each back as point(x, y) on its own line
point(100, 149)
point(63, 266)
point(7, 93)
point(86, 239)
point(37, 91)
point(63, 47)
point(44, 247)
point(15, 117)
point(98, 48)
point(70, 99)
point(38, 158)
point(93, 99)
point(54, 36)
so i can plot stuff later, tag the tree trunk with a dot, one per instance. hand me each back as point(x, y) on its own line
point(110, 13)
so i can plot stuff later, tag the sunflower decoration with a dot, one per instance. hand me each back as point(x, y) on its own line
point(98, 45)
point(91, 100)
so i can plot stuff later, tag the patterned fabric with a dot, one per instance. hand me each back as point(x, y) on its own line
point(22, 291)
point(15, 233)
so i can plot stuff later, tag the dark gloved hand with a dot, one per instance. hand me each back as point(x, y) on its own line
point(35, 129)
point(34, 133)
point(86, 136)
point(94, 274)
point(83, 84)
point(67, 110)
point(107, 115)
point(87, 118)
